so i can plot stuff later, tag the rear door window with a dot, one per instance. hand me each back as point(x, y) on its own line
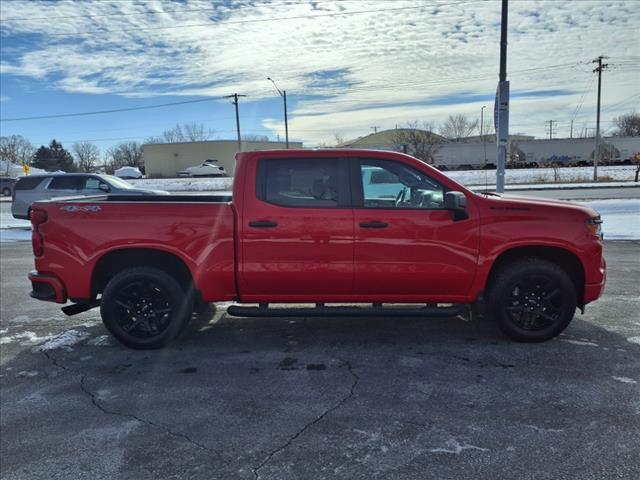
point(311, 183)
point(64, 182)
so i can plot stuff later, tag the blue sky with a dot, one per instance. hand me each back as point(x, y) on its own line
point(347, 65)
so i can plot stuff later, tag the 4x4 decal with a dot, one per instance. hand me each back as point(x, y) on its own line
point(75, 208)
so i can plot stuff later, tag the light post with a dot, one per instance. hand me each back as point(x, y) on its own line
point(283, 94)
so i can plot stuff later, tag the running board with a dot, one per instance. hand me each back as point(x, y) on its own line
point(77, 308)
point(323, 311)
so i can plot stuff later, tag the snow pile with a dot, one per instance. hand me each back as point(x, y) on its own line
point(16, 170)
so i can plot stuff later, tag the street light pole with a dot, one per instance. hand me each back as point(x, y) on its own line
point(283, 94)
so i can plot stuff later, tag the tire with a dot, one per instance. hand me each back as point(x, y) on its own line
point(532, 300)
point(145, 308)
point(6, 192)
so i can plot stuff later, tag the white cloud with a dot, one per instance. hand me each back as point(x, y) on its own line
point(387, 59)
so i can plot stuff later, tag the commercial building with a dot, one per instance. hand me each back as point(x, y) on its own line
point(165, 159)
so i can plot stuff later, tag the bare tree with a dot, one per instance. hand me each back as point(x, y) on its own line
point(15, 150)
point(421, 143)
point(125, 154)
point(186, 132)
point(339, 139)
point(86, 155)
point(458, 126)
point(628, 125)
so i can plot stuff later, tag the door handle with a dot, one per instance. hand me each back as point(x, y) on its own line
point(263, 224)
point(374, 224)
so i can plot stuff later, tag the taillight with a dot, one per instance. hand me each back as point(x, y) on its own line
point(37, 217)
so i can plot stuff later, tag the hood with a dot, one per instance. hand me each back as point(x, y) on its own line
point(519, 202)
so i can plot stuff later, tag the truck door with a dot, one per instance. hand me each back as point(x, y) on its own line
point(407, 246)
point(296, 232)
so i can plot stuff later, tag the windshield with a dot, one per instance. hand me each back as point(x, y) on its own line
point(117, 182)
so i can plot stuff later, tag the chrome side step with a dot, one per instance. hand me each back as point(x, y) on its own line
point(323, 311)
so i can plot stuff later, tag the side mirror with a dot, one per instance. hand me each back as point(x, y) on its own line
point(104, 187)
point(457, 203)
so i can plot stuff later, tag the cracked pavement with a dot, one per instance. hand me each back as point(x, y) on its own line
point(320, 398)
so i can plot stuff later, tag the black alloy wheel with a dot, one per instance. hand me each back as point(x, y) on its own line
point(532, 300)
point(145, 308)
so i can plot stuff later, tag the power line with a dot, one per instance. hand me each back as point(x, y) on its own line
point(260, 20)
point(100, 112)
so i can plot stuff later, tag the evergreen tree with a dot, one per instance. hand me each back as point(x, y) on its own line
point(53, 158)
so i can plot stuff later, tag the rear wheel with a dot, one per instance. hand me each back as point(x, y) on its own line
point(532, 300)
point(145, 308)
point(6, 192)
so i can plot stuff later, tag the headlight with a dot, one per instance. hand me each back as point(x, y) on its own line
point(594, 226)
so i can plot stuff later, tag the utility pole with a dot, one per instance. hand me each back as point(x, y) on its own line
point(484, 144)
point(502, 103)
point(235, 102)
point(596, 155)
point(571, 134)
point(375, 129)
point(551, 132)
point(283, 94)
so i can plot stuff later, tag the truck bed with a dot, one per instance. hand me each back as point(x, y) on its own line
point(199, 229)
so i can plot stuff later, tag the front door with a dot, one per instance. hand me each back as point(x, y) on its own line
point(407, 246)
point(297, 231)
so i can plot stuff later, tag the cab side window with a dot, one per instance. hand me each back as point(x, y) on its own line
point(391, 184)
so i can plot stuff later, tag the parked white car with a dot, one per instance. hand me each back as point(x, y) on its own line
point(128, 172)
point(208, 168)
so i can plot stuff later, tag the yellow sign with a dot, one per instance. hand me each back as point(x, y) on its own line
point(26, 169)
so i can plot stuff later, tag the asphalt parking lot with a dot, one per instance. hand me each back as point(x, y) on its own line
point(320, 398)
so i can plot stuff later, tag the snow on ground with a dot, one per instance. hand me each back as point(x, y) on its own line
point(64, 340)
point(620, 218)
point(184, 184)
point(14, 235)
point(514, 176)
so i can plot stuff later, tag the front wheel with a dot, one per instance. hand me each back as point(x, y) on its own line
point(145, 308)
point(532, 300)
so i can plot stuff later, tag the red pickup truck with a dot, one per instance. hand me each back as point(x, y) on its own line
point(319, 227)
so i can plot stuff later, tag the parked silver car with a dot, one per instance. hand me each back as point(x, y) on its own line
point(45, 187)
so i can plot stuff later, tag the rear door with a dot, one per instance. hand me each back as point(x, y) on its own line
point(297, 231)
point(65, 186)
point(407, 246)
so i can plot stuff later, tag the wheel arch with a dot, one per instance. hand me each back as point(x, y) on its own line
point(562, 257)
point(117, 260)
